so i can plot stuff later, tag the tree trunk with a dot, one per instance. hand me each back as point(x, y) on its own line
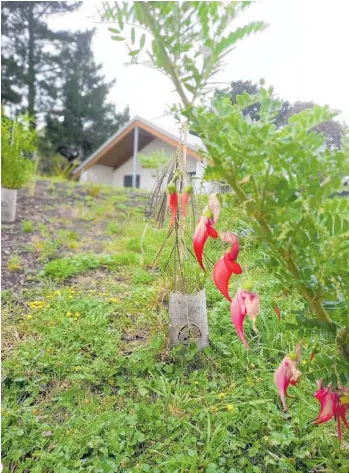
point(31, 77)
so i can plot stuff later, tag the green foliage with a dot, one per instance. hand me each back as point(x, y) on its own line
point(59, 167)
point(188, 42)
point(64, 268)
point(30, 63)
point(114, 228)
point(89, 382)
point(287, 181)
point(284, 179)
point(86, 118)
point(93, 189)
point(18, 142)
point(14, 263)
point(94, 362)
point(155, 161)
point(27, 226)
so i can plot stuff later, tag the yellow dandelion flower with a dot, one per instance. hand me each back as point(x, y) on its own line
point(29, 317)
point(229, 407)
point(221, 396)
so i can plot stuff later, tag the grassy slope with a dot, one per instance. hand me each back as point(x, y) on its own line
point(91, 385)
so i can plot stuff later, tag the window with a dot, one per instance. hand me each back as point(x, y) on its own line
point(192, 173)
point(128, 181)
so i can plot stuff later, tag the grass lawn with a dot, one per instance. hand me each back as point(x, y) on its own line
point(90, 383)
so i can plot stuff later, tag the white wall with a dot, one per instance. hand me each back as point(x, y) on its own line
point(98, 173)
point(147, 176)
point(200, 186)
point(107, 175)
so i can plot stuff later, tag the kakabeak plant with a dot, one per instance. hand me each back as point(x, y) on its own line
point(285, 178)
point(173, 195)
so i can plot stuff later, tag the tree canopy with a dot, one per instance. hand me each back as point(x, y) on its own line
point(83, 118)
point(30, 54)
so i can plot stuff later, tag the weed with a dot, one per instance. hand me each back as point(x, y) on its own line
point(93, 189)
point(15, 263)
point(72, 244)
point(27, 226)
point(134, 244)
point(46, 248)
point(72, 235)
point(114, 228)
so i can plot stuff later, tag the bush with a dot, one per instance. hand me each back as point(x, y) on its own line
point(17, 144)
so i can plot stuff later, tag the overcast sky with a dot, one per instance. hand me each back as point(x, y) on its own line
point(303, 54)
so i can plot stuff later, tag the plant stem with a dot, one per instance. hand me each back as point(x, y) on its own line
point(168, 64)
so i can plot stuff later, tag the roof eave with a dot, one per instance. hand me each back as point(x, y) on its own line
point(192, 150)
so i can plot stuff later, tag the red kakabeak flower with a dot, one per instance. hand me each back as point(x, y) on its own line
point(332, 404)
point(245, 303)
point(227, 265)
point(205, 227)
point(187, 191)
point(173, 202)
point(203, 230)
point(287, 373)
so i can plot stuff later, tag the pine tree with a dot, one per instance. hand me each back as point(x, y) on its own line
point(30, 54)
point(84, 118)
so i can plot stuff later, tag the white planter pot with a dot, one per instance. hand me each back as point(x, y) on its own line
point(8, 204)
point(188, 318)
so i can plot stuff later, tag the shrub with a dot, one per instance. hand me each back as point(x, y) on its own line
point(285, 179)
point(18, 142)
